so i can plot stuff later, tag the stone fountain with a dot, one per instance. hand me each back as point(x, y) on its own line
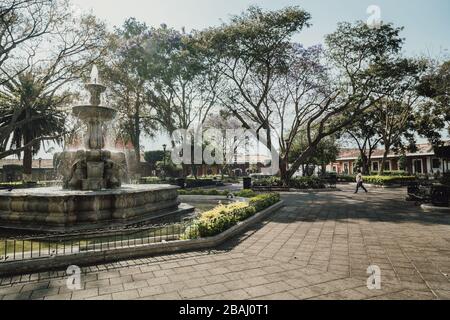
point(92, 168)
point(92, 194)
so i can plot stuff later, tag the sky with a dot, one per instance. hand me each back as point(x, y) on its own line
point(426, 23)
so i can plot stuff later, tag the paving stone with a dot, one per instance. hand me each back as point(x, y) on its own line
point(317, 247)
point(83, 294)
point(126, 295)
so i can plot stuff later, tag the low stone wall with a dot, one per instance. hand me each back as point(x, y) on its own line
point(92, 258)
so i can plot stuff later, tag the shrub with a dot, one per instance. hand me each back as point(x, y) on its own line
point(262, 201)
point(245, 193)
point(203, 192)
point(307, 183)
point(215, 192)
point(297, 182)
point(395, 173)
point(268, 182)
point(346, 178)
point(389, 180)
point(445, 180)
point(222, 217)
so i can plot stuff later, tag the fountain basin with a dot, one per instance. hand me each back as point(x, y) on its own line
point(89, 112)
point(52, 209)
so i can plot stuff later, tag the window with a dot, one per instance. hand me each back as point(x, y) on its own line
point(375, 166)
point(387, 165)
point(436, 163)
point(334, 168)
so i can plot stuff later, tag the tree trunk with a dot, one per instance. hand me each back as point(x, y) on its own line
point(194, 171)
point(27, 161)
point(284, 171)
point(385, 154)
point(27, 153)
point(365, 163)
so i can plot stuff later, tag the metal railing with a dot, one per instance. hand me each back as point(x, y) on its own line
point(14, 248)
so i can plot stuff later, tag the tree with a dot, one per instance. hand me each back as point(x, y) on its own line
point(127, 73)
point(184, 82)
point(39, 114)
point(254, 51)
point(433, 114)
point(224, 145)
point(326, 152)
point(46, 87)
point(363, 133)
point(152, 157)
point(22, 25)
point(395, 122)
point(393, 115)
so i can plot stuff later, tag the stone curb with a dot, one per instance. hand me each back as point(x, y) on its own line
point(93, 258)
point(428, 208)
point(394, 186)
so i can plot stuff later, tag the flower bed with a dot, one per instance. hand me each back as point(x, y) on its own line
point(223, 217)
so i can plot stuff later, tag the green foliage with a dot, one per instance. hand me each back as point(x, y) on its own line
point(307, 183)
point(389, 180)
point(170, 169)
point(203, 192)
point(396, 173)
point(325, 152)
point(153, 180)
point(26, 101)
point(245, 193)
point(268, 182)
point(215, 192)
point(445, 180)
point(346, 178)
point(222, 217)
point(296, 182)
point(152, 157)
point(402, 162)
point(262, 201)
point(434, 113)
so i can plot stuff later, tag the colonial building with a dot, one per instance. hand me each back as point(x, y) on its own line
point(423, 161)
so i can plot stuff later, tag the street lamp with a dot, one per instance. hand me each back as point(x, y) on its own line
point(40, 166)
point(164, 160)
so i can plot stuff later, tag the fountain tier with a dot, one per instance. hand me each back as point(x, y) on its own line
point(53, 209)
point(93, 168)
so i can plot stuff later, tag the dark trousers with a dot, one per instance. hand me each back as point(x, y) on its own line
point(360, 185)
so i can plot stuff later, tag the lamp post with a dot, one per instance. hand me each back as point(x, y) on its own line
point(164, 160)
point(40, 166)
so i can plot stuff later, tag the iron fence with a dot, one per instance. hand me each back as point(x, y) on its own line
point(27, 247)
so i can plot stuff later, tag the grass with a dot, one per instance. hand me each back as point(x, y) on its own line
point(15, 249)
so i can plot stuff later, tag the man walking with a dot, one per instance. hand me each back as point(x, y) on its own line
point(359, 182)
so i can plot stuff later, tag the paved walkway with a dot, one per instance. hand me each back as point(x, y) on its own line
point(317, 247)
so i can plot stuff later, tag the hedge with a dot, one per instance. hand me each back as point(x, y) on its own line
point(296, 183)
point(215, 192)
point(389, 180)
point(223, 217)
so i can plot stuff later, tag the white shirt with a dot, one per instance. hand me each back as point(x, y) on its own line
point(359, 177)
